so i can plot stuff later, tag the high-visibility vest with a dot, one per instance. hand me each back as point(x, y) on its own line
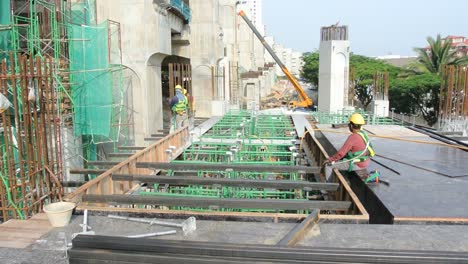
point(181, 105)
point(354, 156)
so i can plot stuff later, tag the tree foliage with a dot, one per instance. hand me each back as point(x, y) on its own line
point(411, 91)
point(417, 94)
point(439, 53)
point(364, 69)
point(310, 69)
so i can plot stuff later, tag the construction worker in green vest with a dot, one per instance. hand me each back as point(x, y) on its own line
point(356, 152)
point(178, 105)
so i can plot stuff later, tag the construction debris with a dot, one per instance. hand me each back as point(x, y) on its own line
point(170, 232)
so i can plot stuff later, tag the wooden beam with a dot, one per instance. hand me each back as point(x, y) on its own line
point(299, 231)
point(155, 150)
point(119, 155)
point(187, 166)
point(152, 138)
point(102, 163)
point(247, 216)
point(86, 171)
point(131, 148)
point(268, 204)
point(194, 180)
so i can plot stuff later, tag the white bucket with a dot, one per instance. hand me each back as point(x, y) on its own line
point(59, 213)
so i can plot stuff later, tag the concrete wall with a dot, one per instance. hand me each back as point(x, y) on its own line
point(146, 40)
point(207, 50)
point(380, 108)
point(251, 92)
point(333, 75)
point(269, 81)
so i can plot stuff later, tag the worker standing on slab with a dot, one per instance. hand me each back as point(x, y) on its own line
point(190, 110)
point(356, 152)
point(179, 109)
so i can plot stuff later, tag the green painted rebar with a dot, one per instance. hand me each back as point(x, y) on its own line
point(342, 117)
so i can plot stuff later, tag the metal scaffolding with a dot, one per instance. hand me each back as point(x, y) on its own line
point(64, 92)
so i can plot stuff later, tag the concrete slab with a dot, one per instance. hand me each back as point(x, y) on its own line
point(51, 248)
point(214, 231)
point(301, 123)
point(418, 192)
point(396, 237)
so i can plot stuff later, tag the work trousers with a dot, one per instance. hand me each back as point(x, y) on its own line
point(178, 121)
point(344, 166)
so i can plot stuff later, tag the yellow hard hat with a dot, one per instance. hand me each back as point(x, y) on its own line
point(178, 87)
point(357, 119)
point(184, 91)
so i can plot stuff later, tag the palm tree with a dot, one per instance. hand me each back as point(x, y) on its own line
point(439, 53)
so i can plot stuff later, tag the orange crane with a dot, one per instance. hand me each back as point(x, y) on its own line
point(305, 100)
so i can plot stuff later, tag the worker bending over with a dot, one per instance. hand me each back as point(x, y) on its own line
point(356, 152)
point(179, 109)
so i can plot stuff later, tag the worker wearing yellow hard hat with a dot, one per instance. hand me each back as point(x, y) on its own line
point(179, 109)
point(356, 152)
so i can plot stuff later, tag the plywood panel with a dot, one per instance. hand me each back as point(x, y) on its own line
point(23, 233)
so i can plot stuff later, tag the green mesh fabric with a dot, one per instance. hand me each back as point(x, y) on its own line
point(4, 12)
point(91, 79)
point(83, 12)
point(5, 34)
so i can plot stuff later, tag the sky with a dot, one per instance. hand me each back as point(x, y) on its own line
point(376, 27)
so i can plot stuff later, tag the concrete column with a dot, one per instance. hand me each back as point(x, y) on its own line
point(202, 81)
point(333, 75)
point(153, 95)
point(207, 48)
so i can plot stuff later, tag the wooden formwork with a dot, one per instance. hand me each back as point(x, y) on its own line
point(103, 184)
point(357, 213)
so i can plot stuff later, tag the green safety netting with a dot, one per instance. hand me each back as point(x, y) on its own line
point(83, 12)
point(4, 12)
point(92, 79)
point(5, 32)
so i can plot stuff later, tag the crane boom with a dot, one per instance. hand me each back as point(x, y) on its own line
point(305, 100)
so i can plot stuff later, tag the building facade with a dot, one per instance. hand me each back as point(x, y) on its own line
point(459, 45)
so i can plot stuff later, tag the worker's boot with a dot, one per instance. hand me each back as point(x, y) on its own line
point(373, 177)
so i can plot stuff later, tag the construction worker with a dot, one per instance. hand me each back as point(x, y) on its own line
point(356, 152)
point(179, 109)
point(190, 110)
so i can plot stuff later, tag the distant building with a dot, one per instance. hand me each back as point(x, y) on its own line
point(250, 48)
point(293, 60)
point(254, 8)
point(459, 44)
